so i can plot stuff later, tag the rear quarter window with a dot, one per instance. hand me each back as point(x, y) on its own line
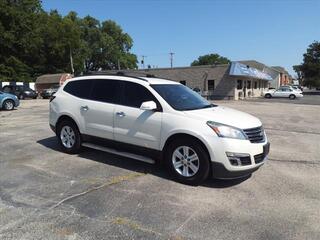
point(80, 88)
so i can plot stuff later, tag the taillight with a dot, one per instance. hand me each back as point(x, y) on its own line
point(51, 98)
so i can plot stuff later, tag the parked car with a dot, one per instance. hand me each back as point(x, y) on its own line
point(8, 101)
point(47, 93)
point(283, 92)
point(151, 120)
point(297, 86)
point(20, 91)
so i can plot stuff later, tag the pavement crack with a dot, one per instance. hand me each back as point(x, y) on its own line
point(317, 162)
point(113, 181)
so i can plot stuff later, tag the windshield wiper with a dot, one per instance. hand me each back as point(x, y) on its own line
point(196, 108)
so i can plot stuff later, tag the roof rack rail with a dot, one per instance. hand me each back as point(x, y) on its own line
point(118, 73)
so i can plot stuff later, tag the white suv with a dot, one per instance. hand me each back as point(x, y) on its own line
point(151, 120)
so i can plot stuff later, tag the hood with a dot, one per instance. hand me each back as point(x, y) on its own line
point(226, 116)
point(8, 95)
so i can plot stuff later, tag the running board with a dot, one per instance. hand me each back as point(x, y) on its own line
point(116, 152)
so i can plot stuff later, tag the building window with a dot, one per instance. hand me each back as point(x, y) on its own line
point(210, 85)
point(183, 82)
point(255, 85)
point(239, 84)
point(249, 84)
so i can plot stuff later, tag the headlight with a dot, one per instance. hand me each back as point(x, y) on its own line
point(226, 131)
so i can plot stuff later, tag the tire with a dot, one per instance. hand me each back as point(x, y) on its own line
point(268, 95)
point(292, 96)
point(8, 105)
point(185, 170)
point(21, 96)
point(69, 136)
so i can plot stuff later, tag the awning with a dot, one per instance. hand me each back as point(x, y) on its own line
point(239, 69)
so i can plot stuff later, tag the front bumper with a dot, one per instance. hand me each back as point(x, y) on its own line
point(222, 165)
point(219, 171)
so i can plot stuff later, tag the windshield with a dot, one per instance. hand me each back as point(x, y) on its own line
point(181, 97)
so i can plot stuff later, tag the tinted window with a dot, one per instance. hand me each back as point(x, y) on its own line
point(106, 91)
point(80, 88)
point(135, 95)
point(181, 97)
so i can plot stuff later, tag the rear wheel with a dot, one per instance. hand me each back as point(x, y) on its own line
point(8, 105)
point(268, 95)
point(21, 96)
point(69, 136)
point(187, 161)
point(292, 96)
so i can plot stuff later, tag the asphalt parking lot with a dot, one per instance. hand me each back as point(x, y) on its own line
point(46, 194)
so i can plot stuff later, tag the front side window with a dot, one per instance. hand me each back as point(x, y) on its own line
point(79, 88)
point(135, 94)
point(181, 97)
point(106, 91)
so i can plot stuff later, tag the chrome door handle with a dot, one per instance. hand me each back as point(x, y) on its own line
point(120, 114)
point(84, 108)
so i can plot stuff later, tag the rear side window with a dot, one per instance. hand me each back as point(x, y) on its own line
point(135, 95)
point(106, 91)
point(80, 88)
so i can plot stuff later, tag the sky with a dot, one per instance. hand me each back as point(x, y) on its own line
point(274, 32)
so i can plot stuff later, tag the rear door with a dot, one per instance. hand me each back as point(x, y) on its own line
point(133, 125)
point(99, 109)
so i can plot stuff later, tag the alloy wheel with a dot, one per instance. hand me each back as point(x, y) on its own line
point(67, 137)
point(185, 161)
point(8, 105)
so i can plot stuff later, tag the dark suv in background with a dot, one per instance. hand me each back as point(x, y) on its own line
point(20, 91)
point(47, 93)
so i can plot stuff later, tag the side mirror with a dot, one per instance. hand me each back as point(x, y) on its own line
point(150, 105)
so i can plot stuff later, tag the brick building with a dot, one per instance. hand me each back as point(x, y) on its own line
point(237, 80)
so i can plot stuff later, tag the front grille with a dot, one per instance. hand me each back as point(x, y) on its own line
point(255, 135)
point(259, 158)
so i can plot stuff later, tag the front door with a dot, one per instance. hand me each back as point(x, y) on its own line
point(133, 125)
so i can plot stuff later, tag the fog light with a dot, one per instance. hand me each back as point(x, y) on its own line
point(238, 159)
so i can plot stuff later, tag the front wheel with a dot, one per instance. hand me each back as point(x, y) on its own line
point(8, 105)
point(69, 136)
point(187, 161)
point(292, 96)
point(268, 95)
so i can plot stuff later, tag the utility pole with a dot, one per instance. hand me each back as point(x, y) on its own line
point(142, 61)
point(171, 59)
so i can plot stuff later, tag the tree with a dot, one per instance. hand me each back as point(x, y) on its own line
point(210, 59)
point(18, 41)
point(35, 42)
point(309, 70)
